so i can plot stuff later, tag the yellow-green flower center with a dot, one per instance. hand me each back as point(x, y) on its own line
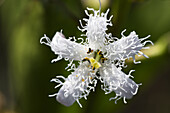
point(96, 60)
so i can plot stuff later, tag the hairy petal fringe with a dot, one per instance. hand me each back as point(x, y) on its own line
point(127, 47)
point(76, 86)
point(114, 79)
point(65, 48)
point(95, 27)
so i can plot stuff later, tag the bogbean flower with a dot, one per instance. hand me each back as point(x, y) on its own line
point(101, 58)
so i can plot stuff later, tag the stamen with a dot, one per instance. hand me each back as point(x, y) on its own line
point(89, 51)
point(86, 59)
point(93, 68)
point(99, 53)
point(103, 59)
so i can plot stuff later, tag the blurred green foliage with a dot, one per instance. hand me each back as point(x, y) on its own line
point(25, 65)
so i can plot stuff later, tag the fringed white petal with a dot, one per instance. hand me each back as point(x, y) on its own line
point(65, 48)
point(115, 80)
point(126, 47)
point(76, 86)
point(95, 28)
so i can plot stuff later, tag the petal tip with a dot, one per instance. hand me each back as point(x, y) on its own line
point(65, 100)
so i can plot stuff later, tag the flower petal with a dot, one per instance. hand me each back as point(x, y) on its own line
point(77, 85)
point(126, 47)
point(67, 101)
point(115, 80)
point(96, 28)
point(65, 48)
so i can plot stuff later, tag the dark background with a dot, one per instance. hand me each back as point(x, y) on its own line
point(25, 64)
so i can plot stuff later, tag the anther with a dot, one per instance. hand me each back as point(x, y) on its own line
point(90, 77)
point(103, 59)
point(100, 53)
point(86, 59)
point(89, 51)
point(93, 68)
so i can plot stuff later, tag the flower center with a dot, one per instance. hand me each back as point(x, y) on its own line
point(96, 60)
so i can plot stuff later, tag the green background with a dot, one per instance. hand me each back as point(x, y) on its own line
point(25, 64)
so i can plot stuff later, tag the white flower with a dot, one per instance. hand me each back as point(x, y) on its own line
point(101, 57)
